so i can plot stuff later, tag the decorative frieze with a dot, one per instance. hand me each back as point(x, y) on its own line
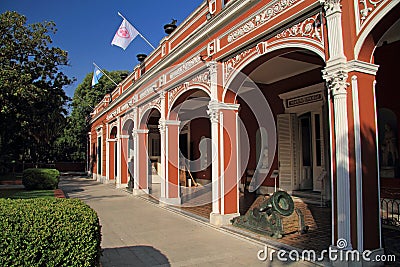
point(182, 68)
point(309, 28)
point(260, 19)
point(147, 91)
point(202, 78)
point(366, 7)
point(232, 64)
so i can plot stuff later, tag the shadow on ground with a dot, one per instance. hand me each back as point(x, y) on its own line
point(133, 256)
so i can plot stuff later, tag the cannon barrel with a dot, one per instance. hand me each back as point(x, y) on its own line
point(280, 202)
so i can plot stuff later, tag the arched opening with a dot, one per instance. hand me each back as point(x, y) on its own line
point(127, 152)
point(385, 37)
point(113, 154)
point(150, 121)
point(190, 109)
point(283, 107)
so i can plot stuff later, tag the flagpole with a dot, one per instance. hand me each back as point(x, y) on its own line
point(138, 33)
point(105, 74)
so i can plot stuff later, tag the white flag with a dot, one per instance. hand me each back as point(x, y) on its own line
point(124, 35)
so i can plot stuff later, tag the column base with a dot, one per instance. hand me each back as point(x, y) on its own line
point(140, 192)
point(171, 201)
point(120, 185)
point(220, 220)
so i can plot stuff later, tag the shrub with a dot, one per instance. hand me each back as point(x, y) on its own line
point(38, 179)
point(48, 232)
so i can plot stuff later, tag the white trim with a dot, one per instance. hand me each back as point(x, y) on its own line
point(172, 122)
point(361, 66)
point(238, 162)
point(214, 166)
point(166, 161)
point(222, 165)
point(378, 164)
point(107, 159)
point(358, 159)
point(332, 156)
point(119, 151)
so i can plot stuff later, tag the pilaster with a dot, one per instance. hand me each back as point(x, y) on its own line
point(224, 135)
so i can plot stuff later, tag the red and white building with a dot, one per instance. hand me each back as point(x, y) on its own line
point(306, 88)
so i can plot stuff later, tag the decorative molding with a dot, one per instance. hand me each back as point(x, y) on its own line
point(260, 19)
point(360, 66)
point(174, 92)
point(231, 65)
point(365, 8)
point(184, 67)
point(202, 78)
point(214, 108)
point(309, 28)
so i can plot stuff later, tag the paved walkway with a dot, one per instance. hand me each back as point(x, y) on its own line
point(136, 232)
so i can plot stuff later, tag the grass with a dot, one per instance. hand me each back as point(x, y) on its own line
point(25, 194)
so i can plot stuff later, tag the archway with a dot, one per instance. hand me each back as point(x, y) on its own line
point(150, 123)
point(193, 166)
point(127, 152)
point(284, 110)
point(113, 154)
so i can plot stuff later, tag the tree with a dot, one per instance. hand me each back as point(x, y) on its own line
point(32, 99)
point(73, 143)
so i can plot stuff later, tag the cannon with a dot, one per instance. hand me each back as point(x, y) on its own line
point(266, 215)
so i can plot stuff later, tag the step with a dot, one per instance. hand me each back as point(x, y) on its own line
point(307, 194)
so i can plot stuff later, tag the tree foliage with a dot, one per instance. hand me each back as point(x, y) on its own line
point(73, 143)
point(32, 99)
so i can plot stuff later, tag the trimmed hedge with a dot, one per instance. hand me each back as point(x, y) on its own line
point(48, 232)
point(38, 179)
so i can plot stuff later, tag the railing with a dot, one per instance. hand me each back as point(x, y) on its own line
point(390, 209)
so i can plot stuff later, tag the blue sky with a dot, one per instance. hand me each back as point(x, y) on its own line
point(86, 28)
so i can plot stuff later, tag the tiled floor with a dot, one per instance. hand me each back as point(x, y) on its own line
point(317, 218)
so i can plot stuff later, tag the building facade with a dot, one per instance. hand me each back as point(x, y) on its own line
point(295, 94)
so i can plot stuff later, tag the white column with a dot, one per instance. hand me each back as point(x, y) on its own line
point(335, 75)
point(107, 158)
point(161, 128)
point(135, 149)
point(333, 14)
point(119, 150)
point(214, 118)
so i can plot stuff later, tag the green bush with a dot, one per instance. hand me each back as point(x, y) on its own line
point(38, 179)
point(48, 232)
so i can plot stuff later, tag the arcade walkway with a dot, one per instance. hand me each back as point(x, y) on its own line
point(138, 232)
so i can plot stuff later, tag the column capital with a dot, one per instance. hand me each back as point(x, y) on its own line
point(162, 126)
point(212, 67)
point(171, 122)
point(331, 6)
point(140, 131)
point(214, 107)
point(336, 81)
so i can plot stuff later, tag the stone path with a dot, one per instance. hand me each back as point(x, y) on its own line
point(136, 232)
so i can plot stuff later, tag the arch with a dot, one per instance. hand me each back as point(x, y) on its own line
point(128, 126)
point(145, 115)
point(113, 132)
point(275, 50)
point(182, 95)
point(374, 31)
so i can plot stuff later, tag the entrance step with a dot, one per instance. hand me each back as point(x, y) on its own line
point(308, 196)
